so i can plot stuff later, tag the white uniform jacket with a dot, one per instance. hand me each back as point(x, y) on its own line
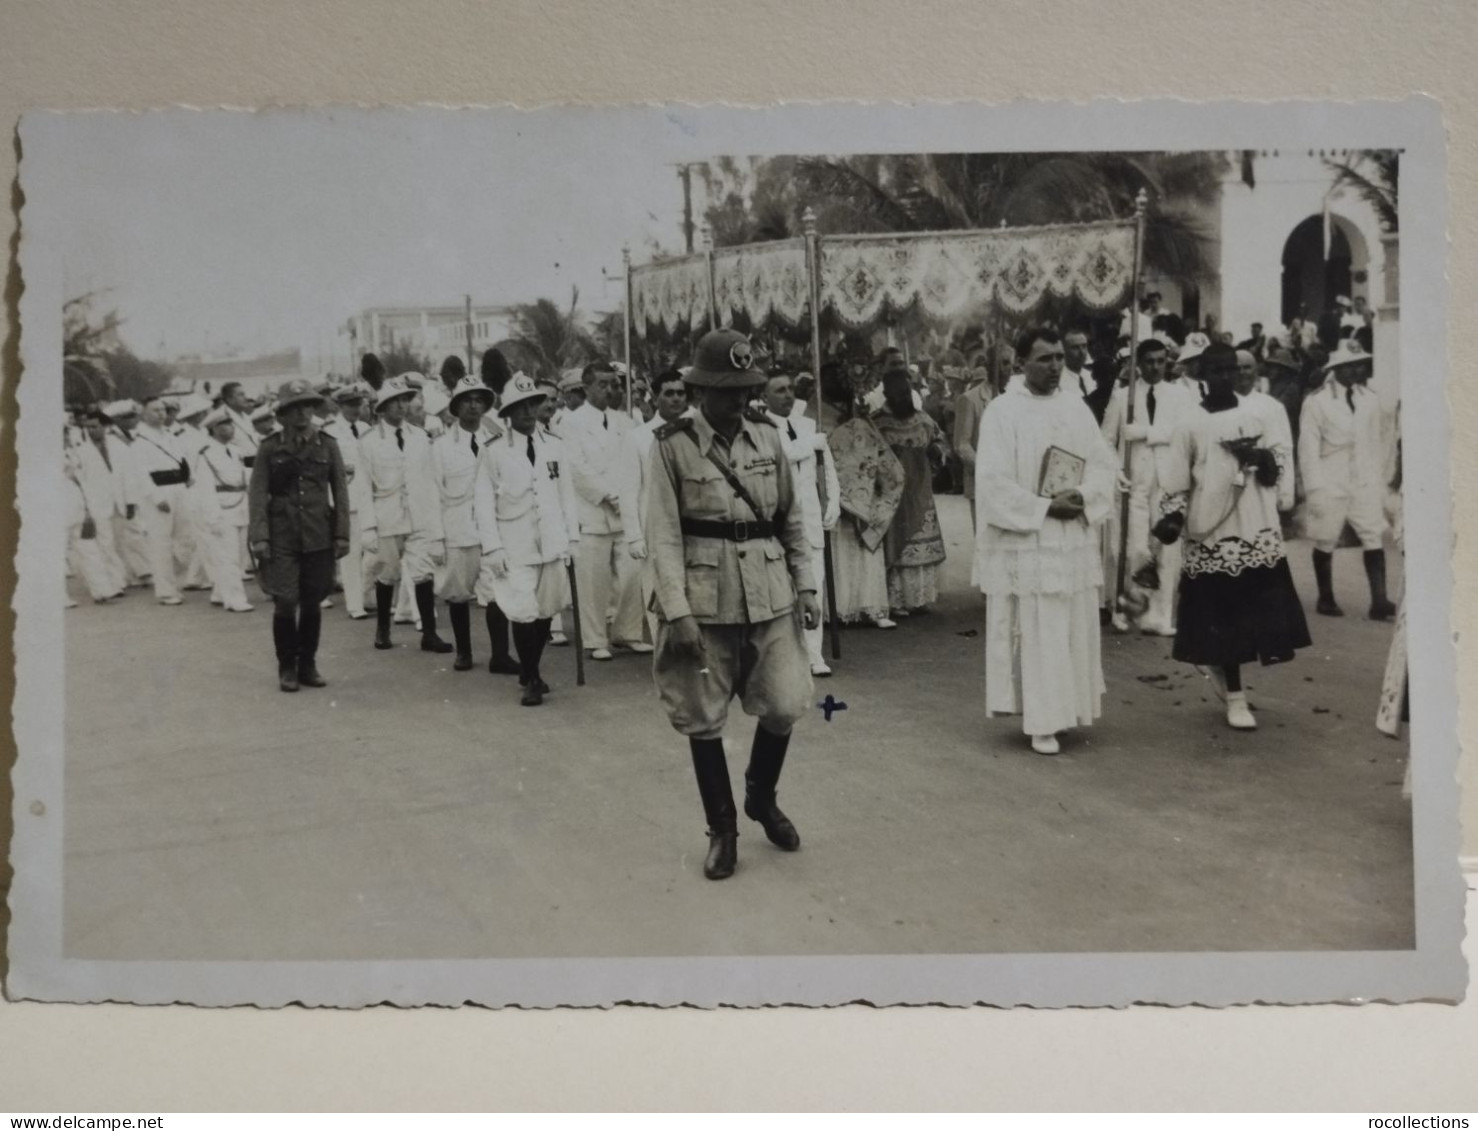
point(107, 480)
point(155, 451)
point(805, 448)
point(1339, 448)
point(220, 486)
point(1148, 458)
point(398, 493)
point(347, 436)
point(592, 438)
point(527, 510)
point(454, 466)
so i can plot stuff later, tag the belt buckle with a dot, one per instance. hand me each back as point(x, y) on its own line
point(741, 530)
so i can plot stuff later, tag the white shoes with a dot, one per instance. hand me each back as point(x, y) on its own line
point(884, 622)
point(326, 603)
point(819, 668)
point(1119, 622)
point(361, 615)
point(600, 653)
point(1239, 715)
point(558, 639)
point(171, 600)
point(1155, 628)
point(240, 608)
point(639, 647)
point(1045, 744)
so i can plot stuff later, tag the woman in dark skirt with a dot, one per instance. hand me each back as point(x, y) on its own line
point(1225, 482)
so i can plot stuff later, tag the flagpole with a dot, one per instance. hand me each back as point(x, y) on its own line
point(813, 280)
point(626, 267)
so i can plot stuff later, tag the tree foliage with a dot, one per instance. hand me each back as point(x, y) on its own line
point(400, 358)
point(97, 365)
point(553, 338)
point(1375, 175)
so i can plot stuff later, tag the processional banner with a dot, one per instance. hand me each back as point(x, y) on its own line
point(949, 274)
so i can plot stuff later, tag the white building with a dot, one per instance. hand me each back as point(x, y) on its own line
point(1286, 244)
point(430, 331)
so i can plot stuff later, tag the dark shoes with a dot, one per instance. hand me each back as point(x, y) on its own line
point(382, 638)
point(463, 664)
point(533, 695)
point(308, 676)
point(776, 824)
point(1382, 610)
point(287, 677)
point(430, 642)
point(1326, 607)
point(503, 665)
point(723, 853)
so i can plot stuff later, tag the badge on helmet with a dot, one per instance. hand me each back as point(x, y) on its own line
point(724, 359)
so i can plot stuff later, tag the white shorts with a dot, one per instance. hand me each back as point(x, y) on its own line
point(1329, 508)
point(532, 592)
point(465, 577)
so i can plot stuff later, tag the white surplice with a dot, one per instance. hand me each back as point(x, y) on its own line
point(1041, 576)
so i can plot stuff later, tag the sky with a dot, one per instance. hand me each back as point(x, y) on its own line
point(267, 231)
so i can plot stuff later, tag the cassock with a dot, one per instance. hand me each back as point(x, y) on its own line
point(1041, 576)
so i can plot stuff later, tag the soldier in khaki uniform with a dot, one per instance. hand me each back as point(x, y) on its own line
point(299, 525)
point(733, 589)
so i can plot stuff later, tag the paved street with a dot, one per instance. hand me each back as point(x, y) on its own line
point(409, 811)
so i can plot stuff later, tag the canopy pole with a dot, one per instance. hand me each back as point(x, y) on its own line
point(626, 268)
point(713, 322)
point(813, 279)
point(1141, 204)
point(470, 364)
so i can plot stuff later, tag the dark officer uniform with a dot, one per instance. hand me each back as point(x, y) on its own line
point(299, 499)
point(734, 561)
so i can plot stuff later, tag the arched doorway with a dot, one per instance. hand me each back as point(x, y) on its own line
point(1312, 279)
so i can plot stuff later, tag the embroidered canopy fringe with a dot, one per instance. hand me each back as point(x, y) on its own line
point(670, 294)
point(947, 274)
point(762, 281)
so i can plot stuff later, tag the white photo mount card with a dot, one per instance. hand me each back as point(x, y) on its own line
point(241, 781)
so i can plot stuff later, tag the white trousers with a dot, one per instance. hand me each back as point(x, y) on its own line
point(87, 556)
point(351, 569)
point(107, 545)
point(218, 546)
point(610, 591)
point(161, 528)
point(815, 637)
point(132, 538)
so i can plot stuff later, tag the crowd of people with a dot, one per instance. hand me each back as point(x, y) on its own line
point(703, 514)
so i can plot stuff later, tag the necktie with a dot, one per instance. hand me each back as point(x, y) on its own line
point(605, 422)
point(790, 428)
point(1149, 401)
point(400, 439)
point(354, 430)
point(531, 449)
point(474, 443)
point(1350, 396)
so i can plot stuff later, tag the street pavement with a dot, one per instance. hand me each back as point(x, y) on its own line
point(410, 811)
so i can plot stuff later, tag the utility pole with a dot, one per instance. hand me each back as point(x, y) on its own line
point(470, 364)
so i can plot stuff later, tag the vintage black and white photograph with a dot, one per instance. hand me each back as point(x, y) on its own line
point(906, 554)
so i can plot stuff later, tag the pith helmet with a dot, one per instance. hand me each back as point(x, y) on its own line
point(296, 391)
point(724, 360)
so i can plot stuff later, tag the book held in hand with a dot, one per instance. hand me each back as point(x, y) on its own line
point(1061, 471)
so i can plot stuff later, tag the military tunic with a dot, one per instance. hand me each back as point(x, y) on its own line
point(299, 499)
point(737, 573)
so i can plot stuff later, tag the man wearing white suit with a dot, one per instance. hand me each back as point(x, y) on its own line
point(672, 403)
point(106, 480)
point(1159, 406)
point(400, 510)
point(456, 456)
point(346, 430)
point(221, 512)
point(166, 475)
point(607, 576)
point(528, 518)
point(812, 469)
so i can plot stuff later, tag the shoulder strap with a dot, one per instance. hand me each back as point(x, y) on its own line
point(730, 478)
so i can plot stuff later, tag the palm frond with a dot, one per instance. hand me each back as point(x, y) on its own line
point(1374, 175)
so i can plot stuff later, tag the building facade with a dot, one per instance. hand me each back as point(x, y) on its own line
point(429, 331)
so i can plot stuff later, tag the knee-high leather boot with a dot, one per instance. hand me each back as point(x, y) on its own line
point(501, 663)
point(1324, 579)
point(285, 641)
point(426, 606)
point(765, 762)
point(460, 614)
point(384, 607)
point(712, 771)
point(525, 640)
point(1375, 572)
point(310, 628)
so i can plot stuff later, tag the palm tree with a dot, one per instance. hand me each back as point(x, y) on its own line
point(555, 339)
point(1375, 176)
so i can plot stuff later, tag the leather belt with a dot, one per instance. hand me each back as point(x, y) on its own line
point(740, 531)
point(228, 487)
point(169, 478)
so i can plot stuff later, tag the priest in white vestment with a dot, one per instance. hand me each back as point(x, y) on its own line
point(1038, 556)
